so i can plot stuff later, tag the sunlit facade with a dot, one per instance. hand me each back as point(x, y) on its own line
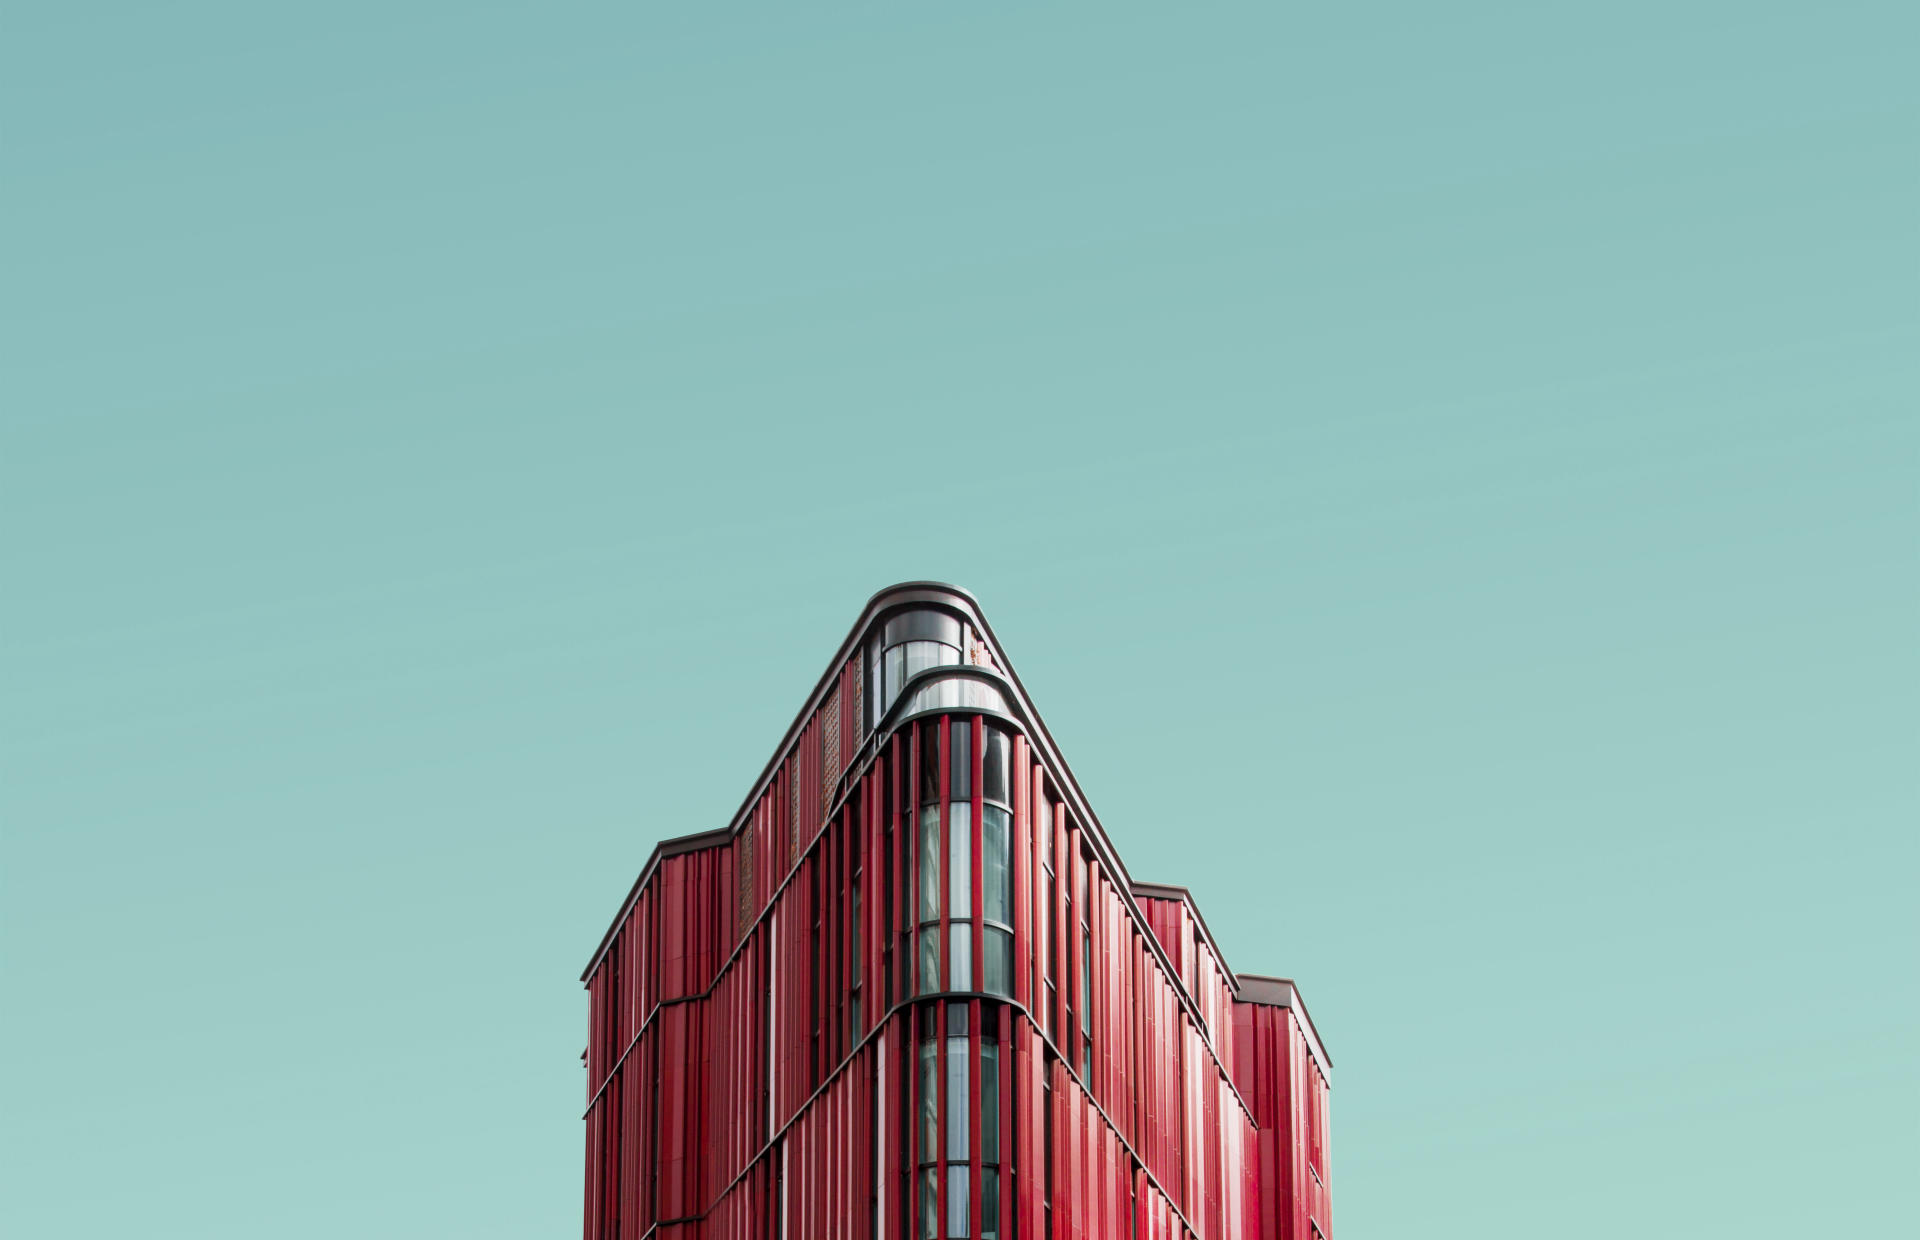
point(911, 993)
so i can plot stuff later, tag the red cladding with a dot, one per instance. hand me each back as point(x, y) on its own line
point(812, 1026)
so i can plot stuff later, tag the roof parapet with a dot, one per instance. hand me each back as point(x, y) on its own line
point(1281, 992)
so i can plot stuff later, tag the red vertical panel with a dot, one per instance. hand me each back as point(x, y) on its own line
point(842, 934)
point(871, 868)
point(976, 907)
point(1079, 1196)
point(1004, 1222)
point(673, 949)
point(1058, 934)
point(940, 1150)
point(910, 844)
point(903, 881)
point(1098, 898)
point(672, 1111)
point(590, 1210)
point(1042, 842)
point(975, 1031)
point(1020, 857)
point(828, 859)
point(848, 851)
point(943, 786)
point(910, 1107)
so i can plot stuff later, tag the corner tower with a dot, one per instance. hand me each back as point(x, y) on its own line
point(911, 992)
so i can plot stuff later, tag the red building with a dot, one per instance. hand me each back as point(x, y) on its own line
point(910, 992)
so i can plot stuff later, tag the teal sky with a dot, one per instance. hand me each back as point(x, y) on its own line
point(1449, 475)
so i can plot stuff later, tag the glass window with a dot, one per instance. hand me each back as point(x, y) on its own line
point(910, 643)
point(930, 762)
point(996, 879)
point(929, 863)
point(929, 1098)
point(929, 959)
point(957, 1107)
point(961, 768)
point(917, 657)
point(930, 1204)
point(989, 1135)
point(998, 966)
point(957, 693)
point(925, 625)
point(959, 956)
point(995, 763)
point(989, 1101)
point(960, 859)
point(894, 665)
point(943, 1131)
point(957, 1201)
point(1086, 983)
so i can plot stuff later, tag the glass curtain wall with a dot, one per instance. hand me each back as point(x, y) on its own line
point(962, 809)
point(908, 643)
point(965, 812)
point(952, 1092)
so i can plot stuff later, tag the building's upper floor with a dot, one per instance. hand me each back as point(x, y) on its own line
point(918, 649)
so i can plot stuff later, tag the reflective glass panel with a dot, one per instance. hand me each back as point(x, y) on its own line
point(957, 1201)
point(929, 762)
point(997, 969)
point(894, 663)
point(957, 1107)
point(929, 862)
point(929, 959)
point(930, 1204)
point(959, 956)
point(989, 1104)
point(1086, 983)
point(957, 693)
point(960, 769)
point(994, 765)
point(996, 877)
point(924, 625)
point(919, 656)
point(929, 1099)
point(990, 1203)
point(960, 859)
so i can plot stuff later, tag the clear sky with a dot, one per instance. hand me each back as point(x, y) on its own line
point(1448, 474)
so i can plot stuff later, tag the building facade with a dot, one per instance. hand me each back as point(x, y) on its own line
point(911, 992)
